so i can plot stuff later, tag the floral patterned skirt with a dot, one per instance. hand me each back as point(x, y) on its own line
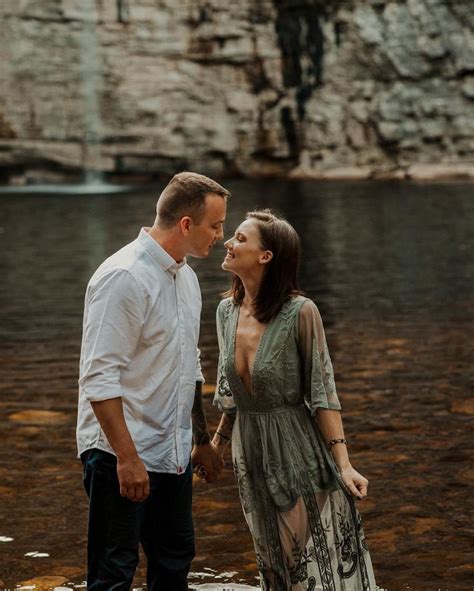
point(317, 542)
point(318, 545)
point(305, 527)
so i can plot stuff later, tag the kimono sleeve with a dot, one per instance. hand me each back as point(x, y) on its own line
point(320, 388)
point(223, 398)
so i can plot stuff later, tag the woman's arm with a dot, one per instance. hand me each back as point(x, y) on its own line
point(223, 434)
point(329, 423)
point(321, 395)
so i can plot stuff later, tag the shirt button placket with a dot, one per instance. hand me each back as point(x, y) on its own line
point(181, 351)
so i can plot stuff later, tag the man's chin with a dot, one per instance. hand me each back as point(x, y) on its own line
point(199, 255)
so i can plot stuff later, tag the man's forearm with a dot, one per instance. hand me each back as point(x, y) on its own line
point(109, 413)
point(200, 429)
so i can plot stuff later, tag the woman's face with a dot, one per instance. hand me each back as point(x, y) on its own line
point(244, 251)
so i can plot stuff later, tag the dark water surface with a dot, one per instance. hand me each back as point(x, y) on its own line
point(390, 267)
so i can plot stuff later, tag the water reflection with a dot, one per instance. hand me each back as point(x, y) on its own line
point(91, 186)
point(389, 268)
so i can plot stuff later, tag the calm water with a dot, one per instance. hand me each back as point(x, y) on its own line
point(390, 266)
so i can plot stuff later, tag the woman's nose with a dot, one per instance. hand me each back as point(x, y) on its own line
point(227, 243)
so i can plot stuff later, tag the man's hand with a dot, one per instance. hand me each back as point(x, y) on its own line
point(210, 459)
point(132, 476)
point(133, 479)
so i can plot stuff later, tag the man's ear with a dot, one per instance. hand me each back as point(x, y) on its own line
point(266, 257)
point(185, 225)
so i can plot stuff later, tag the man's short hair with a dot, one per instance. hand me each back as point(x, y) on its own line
point(185, 195)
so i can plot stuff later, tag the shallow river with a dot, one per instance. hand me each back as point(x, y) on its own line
point(390, 267)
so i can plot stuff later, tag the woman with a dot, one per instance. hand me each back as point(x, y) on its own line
point(280, 409)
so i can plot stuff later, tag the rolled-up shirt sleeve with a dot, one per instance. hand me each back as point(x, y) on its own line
point(113, 319)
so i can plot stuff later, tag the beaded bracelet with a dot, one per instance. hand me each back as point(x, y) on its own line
point(334, 442)
point(223, 436)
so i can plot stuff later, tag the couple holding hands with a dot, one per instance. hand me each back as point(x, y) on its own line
point(141, 416)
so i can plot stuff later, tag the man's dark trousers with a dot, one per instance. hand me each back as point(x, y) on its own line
point(163, 524)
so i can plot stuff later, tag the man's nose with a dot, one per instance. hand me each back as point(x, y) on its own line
point(220, 234)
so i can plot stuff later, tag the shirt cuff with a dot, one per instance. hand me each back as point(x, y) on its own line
point(98, 390)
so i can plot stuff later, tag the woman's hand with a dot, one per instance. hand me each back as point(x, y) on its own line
point(355, 483)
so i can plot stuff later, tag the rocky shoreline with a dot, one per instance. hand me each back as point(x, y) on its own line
point(417, 172)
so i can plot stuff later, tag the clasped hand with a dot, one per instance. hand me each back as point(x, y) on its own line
point(207, 462)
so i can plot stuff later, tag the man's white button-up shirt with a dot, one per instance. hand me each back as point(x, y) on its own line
point(140, 342)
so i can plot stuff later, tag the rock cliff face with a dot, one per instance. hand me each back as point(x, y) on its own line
point(328, 88)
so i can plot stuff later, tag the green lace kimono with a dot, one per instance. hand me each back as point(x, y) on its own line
point(305, 527)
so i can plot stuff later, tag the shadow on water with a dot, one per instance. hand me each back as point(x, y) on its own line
point(389, 267)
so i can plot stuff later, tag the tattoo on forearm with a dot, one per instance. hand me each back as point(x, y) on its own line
point(224, 431)
point(200, 428)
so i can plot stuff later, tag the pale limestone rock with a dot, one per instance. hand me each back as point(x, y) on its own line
point(441, 171)
point(463, 127)
point(201, 85)
point(468, 87)
point(67, 154)
point(347, 173)
point(432, 47)
point(432, 129)
point(360, 110)
point(404, 131)
point(370, 28)
point(465, 58)
point(356, 134)
point(402, 32)
point(339, 174)
point(365, 88)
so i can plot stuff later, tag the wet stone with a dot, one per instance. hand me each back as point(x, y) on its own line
point(41, 417)
point(221, 529)
point(43, 583)
point(463, 406)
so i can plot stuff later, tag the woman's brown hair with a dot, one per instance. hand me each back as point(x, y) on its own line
point(280, 280)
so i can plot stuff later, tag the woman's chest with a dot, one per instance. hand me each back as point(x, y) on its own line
point(249, 333)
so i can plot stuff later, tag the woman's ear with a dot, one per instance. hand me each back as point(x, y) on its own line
point(266, 257)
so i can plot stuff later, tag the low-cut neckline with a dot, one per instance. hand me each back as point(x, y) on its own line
point(257, 351)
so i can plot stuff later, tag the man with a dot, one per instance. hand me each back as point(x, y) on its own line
point(140, 399)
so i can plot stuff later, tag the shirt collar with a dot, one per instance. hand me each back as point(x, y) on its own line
point(164, 259)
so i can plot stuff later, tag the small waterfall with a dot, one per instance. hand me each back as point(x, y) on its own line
point(91, 74)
